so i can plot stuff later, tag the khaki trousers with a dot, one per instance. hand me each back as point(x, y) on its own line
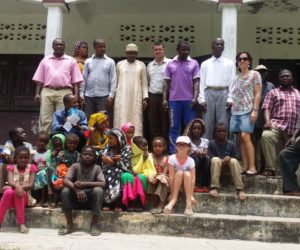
point(235, 170)
point(51, 100)
point(272, 141)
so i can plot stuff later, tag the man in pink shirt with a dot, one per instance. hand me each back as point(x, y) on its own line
point(56, 76)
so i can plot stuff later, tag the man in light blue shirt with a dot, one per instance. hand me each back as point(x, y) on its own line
point(99, 81)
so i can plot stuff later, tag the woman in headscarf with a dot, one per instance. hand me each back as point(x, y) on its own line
point(97, 132)
point(116, 161)
point(80, 53)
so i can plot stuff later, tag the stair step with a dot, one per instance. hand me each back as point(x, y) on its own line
point(204, 225)
point(257, 184)
point(255, 204)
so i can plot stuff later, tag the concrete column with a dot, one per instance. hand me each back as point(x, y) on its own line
point(229, 26)
point(56, 9)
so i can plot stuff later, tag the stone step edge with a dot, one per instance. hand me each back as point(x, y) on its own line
point(250, 195)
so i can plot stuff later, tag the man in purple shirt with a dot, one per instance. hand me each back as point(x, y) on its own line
point(180, 90)
point(56, 76)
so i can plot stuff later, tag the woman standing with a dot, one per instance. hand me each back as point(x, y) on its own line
point(246, 96)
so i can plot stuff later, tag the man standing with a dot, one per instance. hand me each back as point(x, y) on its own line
point(56, 76)
point(281, 107)
point(99, 80)
point(215, 96)
point(157, 116)
point(181, 88)
point(132, 91)
point(259, 125)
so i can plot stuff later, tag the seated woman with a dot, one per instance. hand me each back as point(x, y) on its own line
point(97, 132)
point(116, 161)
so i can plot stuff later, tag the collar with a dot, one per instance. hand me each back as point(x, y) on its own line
point(291, 88)
point(104, 56)
point(214, 59)
point(163, 61)
point(188, 58)
point(64, 56)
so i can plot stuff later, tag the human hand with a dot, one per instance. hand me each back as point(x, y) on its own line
point(203, 107)
point(268, 125)
point(109, 102)
point(253, 116)
point(107, 160)
point(78, 184)
point(226, 161)
point(37, 98)
point(145, 104)
point(291, 141)
point(165, 105)
point(19, 191)
point(82, 101)
point(116, 158)
point(193, 102)
point(228, 106)
point(81, 196)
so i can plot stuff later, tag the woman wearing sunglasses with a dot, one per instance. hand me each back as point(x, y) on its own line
point(246, 96)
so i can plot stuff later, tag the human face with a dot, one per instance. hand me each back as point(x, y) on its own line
point(158, 147)
point(221, 133)
point(196, 130)
point(285, 78)
point(243, 61)
point(143, 146)
point(131, 56)
point(83, 50)
point(22, 159)
point(102, 126)
point(112, 141)
point(71, 103)
point(71, 144)
point(218, 47)
point(20, 135)
point(57, 145)
point(88, 156)
point(183, 52)
point(58, 46)
point(263, 74)
point(130, 133)
point(182, 148)
point(100, 49)
point(158, 52)
point(41, 143)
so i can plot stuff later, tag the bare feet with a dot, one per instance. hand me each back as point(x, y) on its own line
point(242, 195)
point(105, 209)
point(214, 193)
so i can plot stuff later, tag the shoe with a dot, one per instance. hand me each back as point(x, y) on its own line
point(188, 212)
point(95, 231)
point(23, 229)
point(156, 210)
point(251, 172)
point(65, 230)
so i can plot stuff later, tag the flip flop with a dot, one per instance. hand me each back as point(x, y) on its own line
point(168, 210)
point(188, 212)
point(251, 173)
point(156, 210)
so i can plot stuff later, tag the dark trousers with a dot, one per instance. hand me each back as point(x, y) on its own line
point(289, 159)
point(94, 202)
point(158, 118)
point(202, 165)
point(96, 104)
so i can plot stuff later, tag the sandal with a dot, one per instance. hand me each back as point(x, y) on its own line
point(157, 210)
point(241, 194)
point(23, 229)
point(188, 212)
point(95, 231)
point(213, 193)
point(168, 210)
point(65, 230)
point(251, 172)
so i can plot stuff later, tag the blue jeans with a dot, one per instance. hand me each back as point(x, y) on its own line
point(179, 110)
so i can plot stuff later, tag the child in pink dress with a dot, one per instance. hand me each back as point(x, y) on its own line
point(20, 182)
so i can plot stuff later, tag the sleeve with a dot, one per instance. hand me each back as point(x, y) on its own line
point(202, 83)
point(83, 121)
point(85, 75)
point(144, 82)
point(232, 74)
point(39, 75)
point(57, 123)
point(72, 172)
point(112, 79)
point(10, 168)
point(196, 70)
point(8, 148)
point(172, 160)
point(191, 163)
point(257, 78)
point(76, 75)
point(268, 102)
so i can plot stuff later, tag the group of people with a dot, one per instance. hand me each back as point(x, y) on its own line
point(92, 106)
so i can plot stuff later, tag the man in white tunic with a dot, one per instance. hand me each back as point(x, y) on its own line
point(132, 91)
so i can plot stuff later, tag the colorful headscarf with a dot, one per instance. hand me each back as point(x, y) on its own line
point(100, 138)
point(125, 128)
point(51, 148)
point(139, 165)
point(77, 46)
point(188, 129)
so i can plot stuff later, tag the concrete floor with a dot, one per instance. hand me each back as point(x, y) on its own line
point(43, 239)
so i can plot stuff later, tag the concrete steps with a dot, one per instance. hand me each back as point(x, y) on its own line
point(204, 225)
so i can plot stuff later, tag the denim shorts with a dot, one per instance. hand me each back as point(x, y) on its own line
point(241, 123)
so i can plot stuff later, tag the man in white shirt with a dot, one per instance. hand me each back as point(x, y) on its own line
point(215, 96)
point(157, 116)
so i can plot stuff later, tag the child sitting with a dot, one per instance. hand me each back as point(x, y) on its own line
point(65, 159)
point(39, 160)
point(116, 161)
point(158, 184)
point(135, 184)
point(97, 132)
point(181, 173)
point(128, 129)
point(20, 182)
point(17, 138)
point(84, 186)
point(223, 157)
point(194, 131)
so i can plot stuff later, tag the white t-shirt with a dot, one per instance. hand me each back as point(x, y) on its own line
point(186, 166)
point(202, 146)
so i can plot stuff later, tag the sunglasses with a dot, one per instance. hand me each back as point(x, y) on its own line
point(243, 59)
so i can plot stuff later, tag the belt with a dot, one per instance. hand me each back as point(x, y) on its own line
point(57, 88)
point(217, 87)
